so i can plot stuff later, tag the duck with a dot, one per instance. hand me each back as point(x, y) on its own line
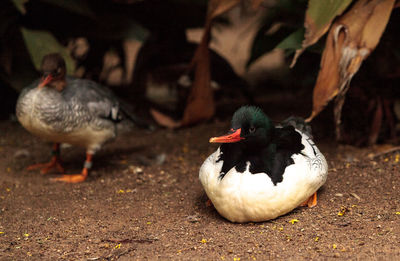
point(262, 171)
point(64, 109)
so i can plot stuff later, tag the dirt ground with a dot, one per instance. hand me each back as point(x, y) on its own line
point(136, 205)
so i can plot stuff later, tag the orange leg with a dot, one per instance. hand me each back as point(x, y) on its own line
point(76, 178)
point(55, 162)
point(311, 201)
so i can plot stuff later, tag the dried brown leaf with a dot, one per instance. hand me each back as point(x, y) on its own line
point(164, 120)
point(200, 104)
point(218, 7)
point(256, 4)
point(380, 150)
point(350, 41)
point(376, 123)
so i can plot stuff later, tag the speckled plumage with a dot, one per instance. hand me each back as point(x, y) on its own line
point(82, 114)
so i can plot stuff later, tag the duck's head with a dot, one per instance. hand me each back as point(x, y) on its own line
point(249, 125)
point(53, 72)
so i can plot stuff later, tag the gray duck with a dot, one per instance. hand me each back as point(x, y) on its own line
point(63, 109)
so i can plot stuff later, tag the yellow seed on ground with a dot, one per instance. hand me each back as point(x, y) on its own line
point(342, 211)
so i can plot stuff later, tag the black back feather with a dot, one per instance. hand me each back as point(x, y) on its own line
point(270, 158)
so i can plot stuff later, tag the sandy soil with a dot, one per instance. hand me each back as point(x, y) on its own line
point(134, 208)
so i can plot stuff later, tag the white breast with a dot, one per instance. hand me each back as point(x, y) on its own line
point(244, 197)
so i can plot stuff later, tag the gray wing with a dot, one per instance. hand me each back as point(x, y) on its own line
point(98, 100)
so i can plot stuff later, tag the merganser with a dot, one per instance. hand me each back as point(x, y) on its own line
point(261, 171)
point(63, 109)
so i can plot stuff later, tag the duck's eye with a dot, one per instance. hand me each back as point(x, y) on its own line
point(252, 129)
point(56, 72)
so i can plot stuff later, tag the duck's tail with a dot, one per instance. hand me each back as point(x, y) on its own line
point(299, 123)
point(127, 113)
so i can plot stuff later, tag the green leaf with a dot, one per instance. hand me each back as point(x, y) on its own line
point(323, 12)
point(319, 16)
point(264, 43)
point(40, 43)
point(293, 41)
point(289, 15)
point(20, 5)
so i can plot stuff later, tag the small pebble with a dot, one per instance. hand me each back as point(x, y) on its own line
point(21, 153)
point(160, 159)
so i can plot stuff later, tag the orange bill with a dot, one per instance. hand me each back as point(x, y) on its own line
point(45, 80)
point(229, 138)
